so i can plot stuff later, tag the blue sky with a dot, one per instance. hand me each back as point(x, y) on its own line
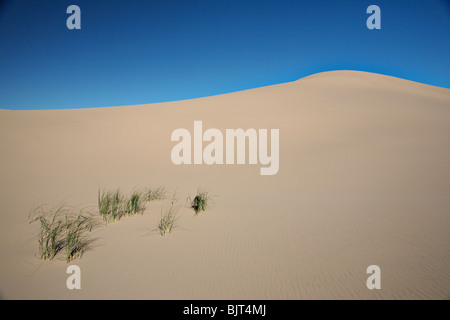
point(136, 51)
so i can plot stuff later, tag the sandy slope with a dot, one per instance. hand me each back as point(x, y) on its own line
point(364, 179)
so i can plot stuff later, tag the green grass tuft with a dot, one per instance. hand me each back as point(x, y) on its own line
point(167, 222)
point(136, 204)
point(200, 201)
point(112, 206)
point(153, 194)
point(60, 229)
point(76, 241)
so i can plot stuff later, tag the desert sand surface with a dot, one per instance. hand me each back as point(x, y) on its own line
point(363, 180)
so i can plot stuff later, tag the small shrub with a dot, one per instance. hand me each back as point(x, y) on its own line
point(200, 201)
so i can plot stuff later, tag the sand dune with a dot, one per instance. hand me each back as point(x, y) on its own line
point(363, 179)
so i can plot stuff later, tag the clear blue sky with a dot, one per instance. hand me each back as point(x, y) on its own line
point(145, 51)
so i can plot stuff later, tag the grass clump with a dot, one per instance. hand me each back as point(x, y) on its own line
point(153, 194)
point(76, 242)
point(50, 237)
point(112, 206)
point(62, 229)
point(167, 222)
point(135, 204)
point(200, 201)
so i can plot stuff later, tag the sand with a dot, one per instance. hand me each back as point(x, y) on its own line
point(363, 180)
